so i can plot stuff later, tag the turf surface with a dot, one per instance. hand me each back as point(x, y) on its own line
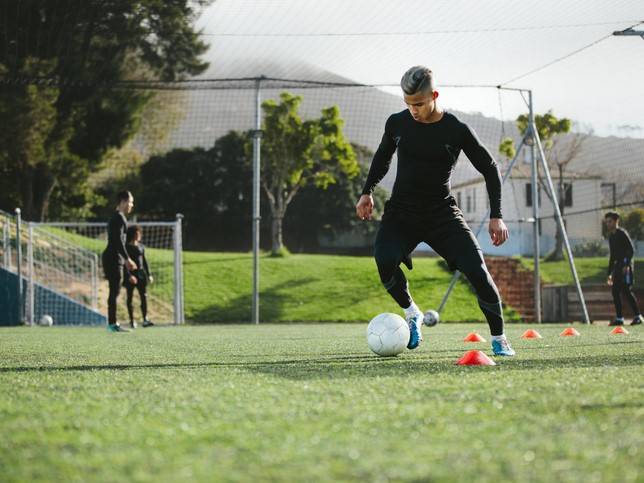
point(310, 402)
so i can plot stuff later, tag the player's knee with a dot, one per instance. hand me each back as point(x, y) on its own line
point(476, 272)
point(483, 284)
point(481, 277)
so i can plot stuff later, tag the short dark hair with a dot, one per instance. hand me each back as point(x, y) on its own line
point(123, 196)
point(417, 79)
point(612, 215)
point(132, 230)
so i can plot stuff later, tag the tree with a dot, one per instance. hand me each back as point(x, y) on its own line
point(211, 188)
point(27, 115)
point(633, 222)
point(333, 209)
point(121, 167)
point(559, 152)
point(61, 61)
point(296, 153)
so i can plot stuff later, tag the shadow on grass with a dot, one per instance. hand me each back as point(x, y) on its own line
point(273, 301)
point(365, 366)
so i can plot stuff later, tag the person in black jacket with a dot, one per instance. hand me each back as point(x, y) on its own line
point(117, 264)
point(620, 269)
point(428, 141)
point(136, 251)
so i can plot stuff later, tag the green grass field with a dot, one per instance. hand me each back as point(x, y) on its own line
point(218, 288)
point(310, 402)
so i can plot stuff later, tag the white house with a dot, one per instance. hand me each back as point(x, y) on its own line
point(582, 212)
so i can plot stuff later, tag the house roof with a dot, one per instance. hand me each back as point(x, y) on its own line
point(523, 171)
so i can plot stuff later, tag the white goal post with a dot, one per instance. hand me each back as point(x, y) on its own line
point(62, 276)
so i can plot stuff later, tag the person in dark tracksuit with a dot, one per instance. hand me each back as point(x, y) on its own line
point(117, 264)
point(428, 141)
point(136, 251)
point(620, 269)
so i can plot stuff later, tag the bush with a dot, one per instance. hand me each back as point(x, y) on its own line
point(590, 249)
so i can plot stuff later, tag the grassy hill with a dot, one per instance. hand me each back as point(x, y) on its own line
point(218, 287)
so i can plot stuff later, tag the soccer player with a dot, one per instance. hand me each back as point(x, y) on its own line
point(620, 269)
point(136, 251)
point(429, 140)
point(116, 262)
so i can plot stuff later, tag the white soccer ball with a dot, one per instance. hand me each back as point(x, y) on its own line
point(46, 321)
point(387, 334)
point(431, 318)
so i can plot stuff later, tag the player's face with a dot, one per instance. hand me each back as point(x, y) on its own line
point(421, 105)
point(611, 224)
point(126, 206)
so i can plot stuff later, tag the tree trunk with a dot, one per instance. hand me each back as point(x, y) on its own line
point(43, 188)
point(558, 252)
point(26, 190)
point(277, 243)
point(36, 189)
point(279, 201)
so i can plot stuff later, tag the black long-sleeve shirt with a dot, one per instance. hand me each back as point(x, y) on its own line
point(137, 254)
point(427, 155)
point(621, 251)
point(116, 234)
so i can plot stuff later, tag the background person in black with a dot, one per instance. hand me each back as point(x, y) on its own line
point(421, 209)
point(116, 262)
point(136, 251)
point(620, 269)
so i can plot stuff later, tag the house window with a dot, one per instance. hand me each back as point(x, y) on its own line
point(458, 199)
point(468, 209)
point(528, 194)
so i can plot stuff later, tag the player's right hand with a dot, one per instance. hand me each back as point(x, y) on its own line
point(364, 208)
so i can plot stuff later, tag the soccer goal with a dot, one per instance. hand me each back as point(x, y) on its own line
point(62, 276)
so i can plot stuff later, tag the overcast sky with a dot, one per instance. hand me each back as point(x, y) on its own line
point(563, 50)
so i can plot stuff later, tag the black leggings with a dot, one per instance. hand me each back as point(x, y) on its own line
point(114, 276)
point(471, 263)
point(620, 288)
point(141, 287)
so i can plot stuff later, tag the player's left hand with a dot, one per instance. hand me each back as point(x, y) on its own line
point(498, 231)
point(133, 280)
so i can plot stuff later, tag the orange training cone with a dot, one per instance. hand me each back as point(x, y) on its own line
point(473, 358)
point(531, 334)
point(619, 330)
point(474, 337)
point(570, 331)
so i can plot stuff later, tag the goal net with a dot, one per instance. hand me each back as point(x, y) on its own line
point(62, 275)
